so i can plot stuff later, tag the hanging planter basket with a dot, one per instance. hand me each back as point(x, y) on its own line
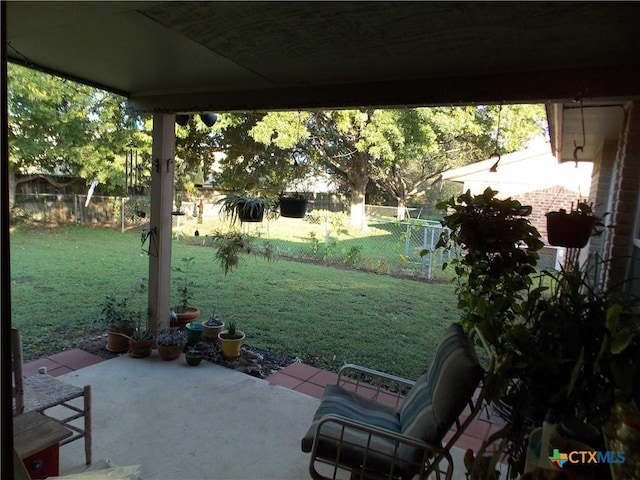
point(568, 229)
point(293, 207)
point(250, 213)
point(245, 208)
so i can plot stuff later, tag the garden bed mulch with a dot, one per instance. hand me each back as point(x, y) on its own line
point(253, 361)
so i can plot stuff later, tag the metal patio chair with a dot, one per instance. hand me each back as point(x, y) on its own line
point(365, 426)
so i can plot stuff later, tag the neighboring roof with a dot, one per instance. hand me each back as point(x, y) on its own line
point(226, 55)
point(535, 168)
point(531, 154)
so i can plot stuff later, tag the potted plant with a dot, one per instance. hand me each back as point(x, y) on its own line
point(293, 205)
point(194, 333)
point(558, 335)
point(495, 250)
point(184, 311)
point(140, 341)
point(572, 229)
point(193, 356)
point(230, 341)
point(119, 320)
point(211, 327)
point(171, 342)
point(245, 208)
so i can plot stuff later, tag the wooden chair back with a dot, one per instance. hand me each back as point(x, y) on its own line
point(17, 386)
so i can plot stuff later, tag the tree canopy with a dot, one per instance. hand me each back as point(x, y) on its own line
point(60, 126)
point(395, 156)
point(400, 152)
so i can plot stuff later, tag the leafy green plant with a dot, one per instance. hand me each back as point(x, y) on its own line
point(232, 332)
point(140, 334)
point(559, 337)
point(495, 252)
point(116, 313)
point(229, 246)
point(184, 284)
point(236, 205)
point(232, 329)
point(171, 336)
point(295, 195)
point(213, 320)
point(353, 255)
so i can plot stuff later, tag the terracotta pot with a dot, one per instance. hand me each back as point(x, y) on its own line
point(140, 349)
point(231, 346)
point(191, 315)
point(117, 343)
point(170, 352)
point(210, 334)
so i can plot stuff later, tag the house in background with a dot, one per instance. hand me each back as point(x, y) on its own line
point(533, 177)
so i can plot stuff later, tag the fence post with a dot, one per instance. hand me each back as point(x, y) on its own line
point(122, 214)
point(327, 230)
point(424, 247)
point(407, 240)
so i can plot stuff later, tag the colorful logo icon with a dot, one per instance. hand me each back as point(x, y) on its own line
point(558, 459)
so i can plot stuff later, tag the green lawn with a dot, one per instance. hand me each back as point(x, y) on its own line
point(387, 246)
point(325, 316)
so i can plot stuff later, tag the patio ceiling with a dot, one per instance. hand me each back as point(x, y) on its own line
point(238, 56)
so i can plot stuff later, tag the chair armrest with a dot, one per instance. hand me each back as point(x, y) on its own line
point(373, 383)
point(430, 459)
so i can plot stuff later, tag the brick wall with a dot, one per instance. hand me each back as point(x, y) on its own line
point(547, 200)
point(619, 244)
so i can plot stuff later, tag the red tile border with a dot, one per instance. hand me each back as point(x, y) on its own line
point(323, 378)
point(61, 370)
point(465, 442)
point(311, 389)
point(31, 368)
point(75, 358)
point(284, 380)
point(300, 370)
point(477, 429)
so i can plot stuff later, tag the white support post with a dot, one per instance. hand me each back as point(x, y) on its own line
point(162, 168)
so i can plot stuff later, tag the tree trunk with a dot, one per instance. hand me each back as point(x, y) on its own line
point(358, 187)
point(402, 209)
point(12, 187)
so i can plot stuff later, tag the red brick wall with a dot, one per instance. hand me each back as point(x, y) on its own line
point(547, 200)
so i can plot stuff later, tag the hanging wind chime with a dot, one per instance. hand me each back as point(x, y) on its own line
point(496, 152)
point(133, 173)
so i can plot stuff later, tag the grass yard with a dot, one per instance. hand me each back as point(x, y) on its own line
point(324, 316)
point(387, 247)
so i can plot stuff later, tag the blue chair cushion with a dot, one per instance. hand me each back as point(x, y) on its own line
point(350, 405)
point(440, 395)
point(430, 408)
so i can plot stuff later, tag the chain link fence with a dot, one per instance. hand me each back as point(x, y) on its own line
point(388, 246)
point(58, 209)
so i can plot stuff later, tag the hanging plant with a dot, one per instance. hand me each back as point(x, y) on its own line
point(293, 205)
point(574, 228)
point(245, 208)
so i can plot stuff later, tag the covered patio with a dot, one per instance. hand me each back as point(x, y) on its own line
point(172, 58)
point(172, 421)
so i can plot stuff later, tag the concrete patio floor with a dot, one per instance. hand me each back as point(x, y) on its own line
point(184, 423)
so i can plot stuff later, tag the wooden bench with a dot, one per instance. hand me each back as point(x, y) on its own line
point(36, 439)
